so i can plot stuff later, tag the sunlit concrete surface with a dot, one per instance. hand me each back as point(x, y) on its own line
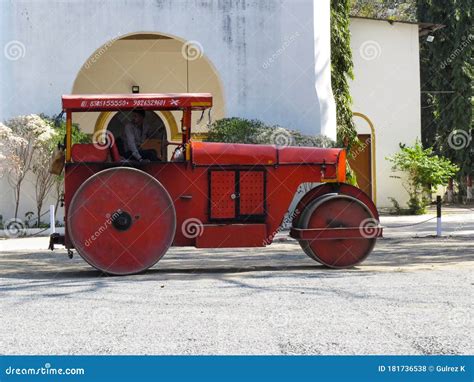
point(411, 296)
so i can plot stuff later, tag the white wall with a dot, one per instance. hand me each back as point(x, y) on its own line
point(263, 51)
point(387, 90)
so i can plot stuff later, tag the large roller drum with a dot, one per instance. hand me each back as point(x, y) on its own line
point(121, 220)
point(338, 211)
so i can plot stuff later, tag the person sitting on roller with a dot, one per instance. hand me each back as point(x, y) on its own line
point(136, 132)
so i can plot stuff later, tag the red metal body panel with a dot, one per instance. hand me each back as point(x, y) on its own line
point(210, 153)
point(103, 102)
point(222, 194)
point(88, 152)
point(252, 192)
point(188, 187)
point(300, 155)
point(231, 236)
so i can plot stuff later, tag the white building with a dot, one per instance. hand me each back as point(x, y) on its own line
point(386, 96)
point(268, 60)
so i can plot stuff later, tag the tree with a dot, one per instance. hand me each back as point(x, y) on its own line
point(446, 81)
point(22, 136)
point(58, 139)
point(44, 180)
point(342, 71)
point(425, 172)
point(400, 10)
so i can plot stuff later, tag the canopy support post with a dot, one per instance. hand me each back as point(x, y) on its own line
point(68, 135)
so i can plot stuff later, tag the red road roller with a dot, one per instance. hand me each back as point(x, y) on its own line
point(122, 215)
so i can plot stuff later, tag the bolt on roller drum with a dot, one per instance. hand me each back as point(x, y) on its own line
point(338, 211)
point(121, 221)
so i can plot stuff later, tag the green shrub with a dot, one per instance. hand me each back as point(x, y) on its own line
point(241, 130)
point(424, 171)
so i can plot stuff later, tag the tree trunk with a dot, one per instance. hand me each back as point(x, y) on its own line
point(450, 191)
point(468, 188)
point(17, 199)
point(38, 211)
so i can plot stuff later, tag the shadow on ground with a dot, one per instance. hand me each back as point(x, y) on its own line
point(192, 263)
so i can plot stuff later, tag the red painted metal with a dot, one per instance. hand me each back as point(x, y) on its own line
point(111, 226)
point(251, 192)
point(330, 188)
point(186, 125)
point(211, 153)
point(337, 230)
point(114, 152)
point(300, 155)
point(88, 152)
point(223, 196)
point(235, 195)
point(231, 236)
point(104, 102)
point(335, 233)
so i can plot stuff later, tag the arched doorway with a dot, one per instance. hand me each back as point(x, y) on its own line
point(363, 159)
point(156, 63)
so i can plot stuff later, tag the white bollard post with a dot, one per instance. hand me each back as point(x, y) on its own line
point(52, 220)
point(439, 230)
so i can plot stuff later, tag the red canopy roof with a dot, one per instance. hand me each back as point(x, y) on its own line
point(151, 101)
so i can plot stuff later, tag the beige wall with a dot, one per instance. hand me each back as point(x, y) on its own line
point(387, 90)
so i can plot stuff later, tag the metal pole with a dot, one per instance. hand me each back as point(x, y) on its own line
point(438, 216)
point(52, 220)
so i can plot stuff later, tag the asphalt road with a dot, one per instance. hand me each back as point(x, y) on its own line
point(411, 296)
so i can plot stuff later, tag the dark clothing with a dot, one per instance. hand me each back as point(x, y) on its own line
point(145, 154)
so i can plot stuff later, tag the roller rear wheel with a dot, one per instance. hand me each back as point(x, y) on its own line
point(338, 211)
point(121, 221)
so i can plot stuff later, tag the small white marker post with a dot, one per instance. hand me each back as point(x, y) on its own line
point(52, 220)
point(438, 216)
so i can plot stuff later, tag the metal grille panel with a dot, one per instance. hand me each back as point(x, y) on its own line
point(252, 193)
point(222, 189)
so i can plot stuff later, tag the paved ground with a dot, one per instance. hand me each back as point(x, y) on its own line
point(412, 296)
